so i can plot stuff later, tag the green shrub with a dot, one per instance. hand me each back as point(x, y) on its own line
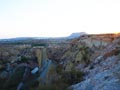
point(24, 59)
point(72, 77)
point(85, 54)
point(65, 79)
point(54, 86)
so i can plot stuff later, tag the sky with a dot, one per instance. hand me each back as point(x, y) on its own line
point(56, 18)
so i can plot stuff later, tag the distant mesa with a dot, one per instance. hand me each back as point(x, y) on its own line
point(76, 35)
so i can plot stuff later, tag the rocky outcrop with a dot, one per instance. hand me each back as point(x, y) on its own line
point(105, 79)
point(103, 73)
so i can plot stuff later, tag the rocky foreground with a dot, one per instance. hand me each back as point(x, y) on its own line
point(90, 62)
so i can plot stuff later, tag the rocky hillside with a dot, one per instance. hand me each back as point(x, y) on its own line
point(98, 56)
point(104, 71)
point(90, 62)
point(86, 46)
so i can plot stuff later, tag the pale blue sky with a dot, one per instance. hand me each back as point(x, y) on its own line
point(38, 18)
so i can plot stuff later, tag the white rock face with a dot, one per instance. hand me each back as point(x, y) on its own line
point(104, 76)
